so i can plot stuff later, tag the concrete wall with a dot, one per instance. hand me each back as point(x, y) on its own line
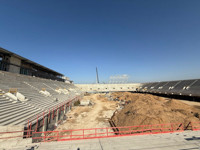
point(108, 87)
point(15, 61)
point(11, 138)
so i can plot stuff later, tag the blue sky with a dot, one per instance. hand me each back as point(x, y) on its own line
point(150, 40)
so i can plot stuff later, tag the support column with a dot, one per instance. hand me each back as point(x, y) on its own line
point(64, 111)
point(57, 115)
point(67, 108)
point(44, 128)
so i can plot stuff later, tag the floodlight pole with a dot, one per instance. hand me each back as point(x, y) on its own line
point(97, 76)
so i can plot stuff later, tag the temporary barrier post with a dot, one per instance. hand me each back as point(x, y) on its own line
point(107, 131)
point(57, 135)
point(44, 137)
point(172, 127)
point(71, 134)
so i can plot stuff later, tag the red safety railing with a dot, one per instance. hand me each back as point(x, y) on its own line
point(78, 134)
point(28, 132)
point(51, 109)
point(195, 126)
point(15, 134)
point(36, 118)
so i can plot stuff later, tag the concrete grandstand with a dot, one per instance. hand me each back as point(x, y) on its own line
point(22, 96)
point(29, 92)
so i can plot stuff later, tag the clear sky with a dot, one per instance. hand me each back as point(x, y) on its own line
point(150, 40)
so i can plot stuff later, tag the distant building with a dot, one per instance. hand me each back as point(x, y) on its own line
point(14, 63)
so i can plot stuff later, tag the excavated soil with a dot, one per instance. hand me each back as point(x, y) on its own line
point(92, 116)
point(131, 109)
point(146, 109)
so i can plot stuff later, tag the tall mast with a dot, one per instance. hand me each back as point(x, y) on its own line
point(97, 76)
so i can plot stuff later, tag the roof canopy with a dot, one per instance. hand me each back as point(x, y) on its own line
point(36, 65)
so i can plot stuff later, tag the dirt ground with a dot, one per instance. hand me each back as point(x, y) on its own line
point(192, 103)
point(130, 109)
point(93, 116)
point(146, 109)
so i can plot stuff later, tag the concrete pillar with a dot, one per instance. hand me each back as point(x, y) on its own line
point(67, 109)
point(64, 111)
point(17, 63)
point(57, 115)
point(44, 128)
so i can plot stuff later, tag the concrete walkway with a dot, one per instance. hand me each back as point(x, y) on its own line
point(188, 140)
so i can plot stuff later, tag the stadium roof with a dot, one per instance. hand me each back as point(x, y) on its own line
point(4, 51)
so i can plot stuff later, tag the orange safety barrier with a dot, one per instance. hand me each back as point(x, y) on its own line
point(78, 134)
point(195, 126)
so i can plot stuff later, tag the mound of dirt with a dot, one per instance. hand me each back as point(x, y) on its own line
point(126, 96)
point(146, 109)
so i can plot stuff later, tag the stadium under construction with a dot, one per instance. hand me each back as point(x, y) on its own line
point(36, 101)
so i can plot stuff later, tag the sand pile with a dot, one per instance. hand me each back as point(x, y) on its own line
point(146, 109)
point(124, 96)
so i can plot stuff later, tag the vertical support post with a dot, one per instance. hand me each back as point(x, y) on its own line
point(53, 114)
point(36, 124)
point(142, 129)
point(64, 109)
point(57, 116)
point(57, 135)
point(27, 132)
point(44, 137)
point(172, 129)
point(44, 128)
point(49, 118)
point(43, 118)
point(107, 131)
point(30, 129)
point(71, 134)
point(69, 107)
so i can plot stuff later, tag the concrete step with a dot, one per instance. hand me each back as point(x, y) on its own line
point(17, 114)
point(14, 120)
point(14, 111)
